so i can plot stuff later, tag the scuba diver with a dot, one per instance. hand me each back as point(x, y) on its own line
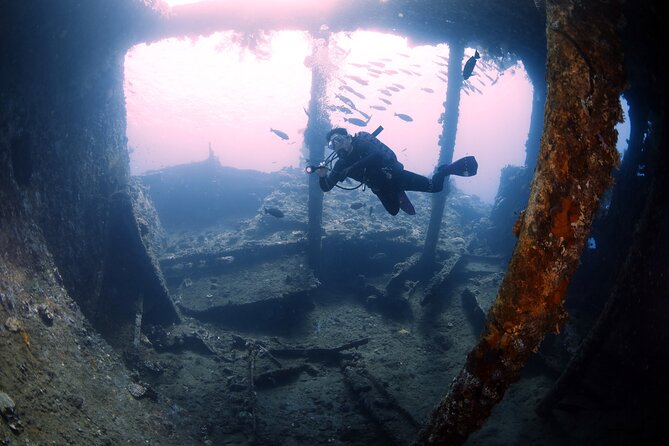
point(364, 158)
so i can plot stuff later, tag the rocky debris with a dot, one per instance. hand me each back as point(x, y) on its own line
point(75, 400)
point(45, 314)
point(141, 390)
point(261, 273)
point(282, 376)
point(473, 310)
point(378, 405)
point(320, 354)
point(13, 324)
point(136, 390)
point(8, 412)
point(440, 278)
point(181, 338)
point(7, 301)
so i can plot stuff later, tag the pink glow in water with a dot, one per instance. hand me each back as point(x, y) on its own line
point(184, 95)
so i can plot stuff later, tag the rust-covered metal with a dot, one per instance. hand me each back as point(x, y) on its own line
point(578, 154)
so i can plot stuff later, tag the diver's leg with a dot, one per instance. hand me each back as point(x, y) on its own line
point(390, 200)
point(412, 181)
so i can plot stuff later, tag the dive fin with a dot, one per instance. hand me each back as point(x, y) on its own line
point(405, 204)
point(464, 167)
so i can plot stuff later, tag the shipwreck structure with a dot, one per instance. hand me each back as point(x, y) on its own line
point(77, 261)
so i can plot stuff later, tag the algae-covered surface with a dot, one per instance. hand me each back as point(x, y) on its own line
point(266, 352)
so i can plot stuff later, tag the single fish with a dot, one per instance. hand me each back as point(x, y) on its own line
point(346, 101)
point(357, 205)
point(404, 117)
point(470, 64)
point(274, 212)
point(356, 121)
point(377, 107)
point(360, 95)
point(385, 101)
point(400, 86)
point(406, 71)
point(357, 79)
point(391, 88)
point(378, 64)
point(374, 70)
point(345, 110)
point(386, 92)
point(279, 133)
point(429, 90)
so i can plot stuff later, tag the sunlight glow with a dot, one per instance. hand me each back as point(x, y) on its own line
point(245, 12)
point(183, 95)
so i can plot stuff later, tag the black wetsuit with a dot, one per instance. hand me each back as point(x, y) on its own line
point(374, 164)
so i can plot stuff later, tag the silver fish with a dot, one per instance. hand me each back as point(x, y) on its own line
point(345, 100)
point(279, 133)
point(356, 121)
point(404, 117)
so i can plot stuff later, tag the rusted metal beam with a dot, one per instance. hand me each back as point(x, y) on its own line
point(578, 153)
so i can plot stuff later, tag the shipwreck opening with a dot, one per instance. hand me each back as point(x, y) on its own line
point(187, 98)
point(339, 355)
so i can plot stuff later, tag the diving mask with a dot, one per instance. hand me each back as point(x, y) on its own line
point(337, 142)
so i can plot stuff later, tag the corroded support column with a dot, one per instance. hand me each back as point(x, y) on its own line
point(446, 146)
point(314, 138)
point(578, 153)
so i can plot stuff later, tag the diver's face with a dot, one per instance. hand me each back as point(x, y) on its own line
point(340, 143)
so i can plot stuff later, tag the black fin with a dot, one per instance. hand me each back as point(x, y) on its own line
point(464, 167)
point(405, 204)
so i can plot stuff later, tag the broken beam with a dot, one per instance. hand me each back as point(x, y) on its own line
point(578, 153)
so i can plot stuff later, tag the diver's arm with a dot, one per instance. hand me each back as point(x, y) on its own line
point(327, 182)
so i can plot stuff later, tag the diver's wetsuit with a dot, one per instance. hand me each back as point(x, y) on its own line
point(373, 163)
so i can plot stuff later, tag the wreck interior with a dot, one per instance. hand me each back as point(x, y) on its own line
point(96, 335)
